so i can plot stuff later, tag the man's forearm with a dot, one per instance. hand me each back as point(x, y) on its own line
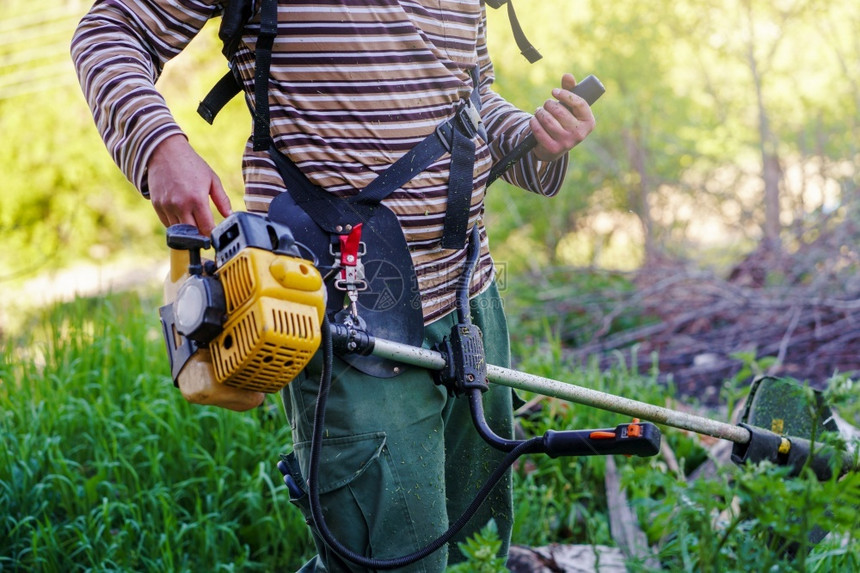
point(118, 50)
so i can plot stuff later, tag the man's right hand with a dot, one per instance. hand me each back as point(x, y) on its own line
point(181, 183)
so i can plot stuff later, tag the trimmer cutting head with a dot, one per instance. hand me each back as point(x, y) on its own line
point(785, 407)
point(787, 423)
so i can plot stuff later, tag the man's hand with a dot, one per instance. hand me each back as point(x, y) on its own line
point(181, 184)
point(561, 123)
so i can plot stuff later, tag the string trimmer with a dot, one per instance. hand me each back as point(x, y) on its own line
point(248, 322)
point(251, 320)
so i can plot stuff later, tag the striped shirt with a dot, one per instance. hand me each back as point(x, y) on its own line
point(354, 85)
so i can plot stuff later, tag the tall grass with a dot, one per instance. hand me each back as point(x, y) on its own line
point(104, 466)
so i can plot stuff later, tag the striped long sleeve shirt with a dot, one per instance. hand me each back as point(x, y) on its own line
point(354, 85)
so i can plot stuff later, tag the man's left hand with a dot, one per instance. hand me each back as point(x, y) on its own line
point(560, 124)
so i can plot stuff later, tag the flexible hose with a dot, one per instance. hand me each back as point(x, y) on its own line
point(465, 279)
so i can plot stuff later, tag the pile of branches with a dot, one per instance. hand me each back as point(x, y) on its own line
point(786, 315)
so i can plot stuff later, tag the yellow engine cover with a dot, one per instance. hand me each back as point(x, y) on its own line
point(275, 308)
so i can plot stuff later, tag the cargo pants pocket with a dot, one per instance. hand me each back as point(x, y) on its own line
point(363, 501)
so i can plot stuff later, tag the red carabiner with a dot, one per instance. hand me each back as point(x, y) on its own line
point(349, 245)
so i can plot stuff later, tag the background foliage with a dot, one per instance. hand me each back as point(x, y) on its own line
point(711, 108)
point(700, 97)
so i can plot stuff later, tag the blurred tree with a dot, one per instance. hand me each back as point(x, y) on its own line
point(715, 117)
point(744, 114)
point(644, 121)
point(765, 29)
point(834, 138)
point(63, 198)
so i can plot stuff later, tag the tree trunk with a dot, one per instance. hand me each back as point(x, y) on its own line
point(768, 146)
point(638, 193)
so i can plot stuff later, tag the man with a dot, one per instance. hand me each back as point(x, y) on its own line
point(353, 85)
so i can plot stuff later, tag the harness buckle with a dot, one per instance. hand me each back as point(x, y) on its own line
point(349, 267)
point(470, 120)
point(351, 278)
point(467, 119)
point(443, 133)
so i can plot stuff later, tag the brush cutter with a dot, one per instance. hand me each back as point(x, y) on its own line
point(246, 323)
point(259, 311)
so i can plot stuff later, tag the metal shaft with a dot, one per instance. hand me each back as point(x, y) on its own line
point(433, 360)
point(618, 404)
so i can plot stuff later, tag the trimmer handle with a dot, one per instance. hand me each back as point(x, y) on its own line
point(589, 89)
point(633, 439)
point(185, 237)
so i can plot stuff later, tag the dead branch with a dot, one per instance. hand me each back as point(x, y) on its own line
point(702, 327)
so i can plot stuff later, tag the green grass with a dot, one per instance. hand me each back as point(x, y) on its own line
point(104, 466)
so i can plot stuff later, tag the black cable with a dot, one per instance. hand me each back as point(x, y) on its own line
point(508, 161)
point(477, 405)
point(472, 255)
point(524, 447)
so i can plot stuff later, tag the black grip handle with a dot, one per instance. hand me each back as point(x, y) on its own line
point(634, 439)
point(589, 89)
point(186, 237)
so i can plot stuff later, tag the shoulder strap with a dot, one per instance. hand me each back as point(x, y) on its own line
point(233, 19)
point(236, 15)
point(263, 57)
point(526, 48)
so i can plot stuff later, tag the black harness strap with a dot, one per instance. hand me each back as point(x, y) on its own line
point(265, 42)
point(220, 95)
point(526, 48)
point(455, 136)
point(460, 182)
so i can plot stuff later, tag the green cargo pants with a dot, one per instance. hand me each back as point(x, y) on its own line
point(401, 459)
